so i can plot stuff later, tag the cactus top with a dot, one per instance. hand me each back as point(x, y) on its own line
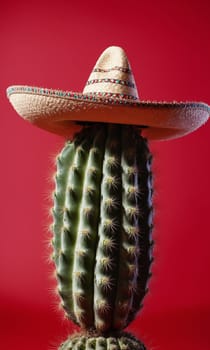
point(110, 96)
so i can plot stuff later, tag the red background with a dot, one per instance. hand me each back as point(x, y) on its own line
point(56, 44)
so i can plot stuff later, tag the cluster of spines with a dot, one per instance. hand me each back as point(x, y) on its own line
point(124, 341)
point(102, 224)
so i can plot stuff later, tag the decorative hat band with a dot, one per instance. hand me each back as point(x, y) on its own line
point(121, 69)
point(105, 97)
point(117, 80)
point(113, 81)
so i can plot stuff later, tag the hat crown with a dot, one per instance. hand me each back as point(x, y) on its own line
point(112, 75)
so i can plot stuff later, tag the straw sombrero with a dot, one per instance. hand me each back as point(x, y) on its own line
point(110, 96)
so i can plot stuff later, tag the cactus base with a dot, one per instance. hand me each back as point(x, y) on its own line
point(90, 341)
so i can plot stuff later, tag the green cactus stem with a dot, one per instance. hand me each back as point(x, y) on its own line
point(123, 341)
point(102, 226)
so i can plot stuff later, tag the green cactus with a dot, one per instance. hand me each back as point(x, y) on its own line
point(123, 341)
point(102, 227)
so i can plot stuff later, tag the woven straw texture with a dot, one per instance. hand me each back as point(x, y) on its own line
point(110, 96)
point(59, 115)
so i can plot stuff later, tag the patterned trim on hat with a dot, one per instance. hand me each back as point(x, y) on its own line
point(112, 94)
point(104, 98)
point(110, 80)
point(121, 69)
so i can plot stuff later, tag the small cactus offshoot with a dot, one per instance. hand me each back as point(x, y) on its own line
point(123, 341)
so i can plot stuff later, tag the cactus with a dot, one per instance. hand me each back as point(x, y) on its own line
point(102, 227)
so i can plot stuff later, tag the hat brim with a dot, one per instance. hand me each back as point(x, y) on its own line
point(61, 112)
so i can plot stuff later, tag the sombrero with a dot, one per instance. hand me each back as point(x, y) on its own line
point(110, 96)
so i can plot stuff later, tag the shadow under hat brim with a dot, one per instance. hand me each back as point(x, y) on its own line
point(63, 112)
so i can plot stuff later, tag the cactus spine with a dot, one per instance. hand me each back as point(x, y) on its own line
point(102, 227)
